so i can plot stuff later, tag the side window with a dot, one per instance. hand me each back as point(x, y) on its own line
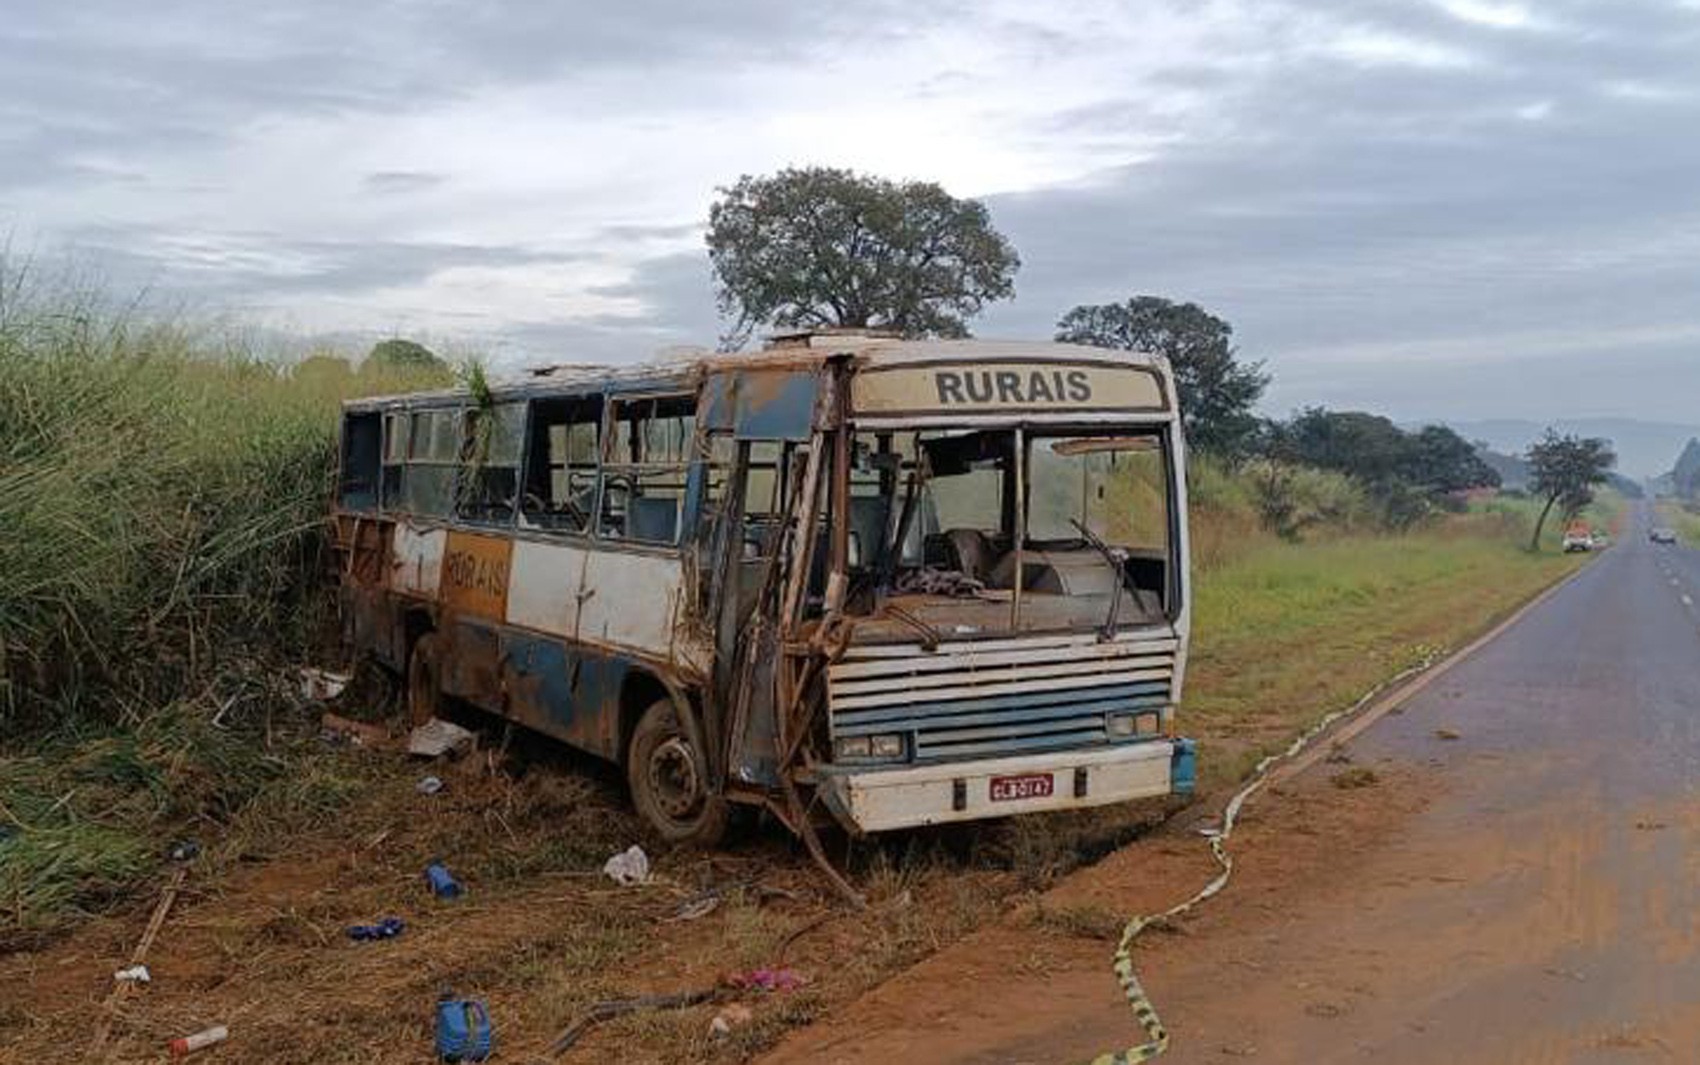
point(561, 464)
point(643, 478)
point(489, 466)
point(360, 461)
point(764, 498)
point(395, 457)
point(433, 451)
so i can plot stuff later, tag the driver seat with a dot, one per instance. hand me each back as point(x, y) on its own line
point(974, 552)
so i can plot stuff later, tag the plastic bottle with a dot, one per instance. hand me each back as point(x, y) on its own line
point(206, 1038)
point(443, 885)
point(463, 1030)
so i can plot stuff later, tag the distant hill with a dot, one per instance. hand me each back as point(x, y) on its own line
point(1644, 449)
point(1513, 471)
point(1685, 475)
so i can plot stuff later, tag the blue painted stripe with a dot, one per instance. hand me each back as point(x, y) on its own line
point(1050, 741)
point(919, 718)
point(1017, 701)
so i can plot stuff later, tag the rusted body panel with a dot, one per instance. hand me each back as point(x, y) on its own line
point(570, 629)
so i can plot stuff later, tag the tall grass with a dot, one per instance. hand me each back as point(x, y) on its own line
point(161, 492)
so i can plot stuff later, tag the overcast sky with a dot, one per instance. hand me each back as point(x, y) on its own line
point(1453, 208)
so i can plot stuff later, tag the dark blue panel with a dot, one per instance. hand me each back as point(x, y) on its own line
point(785, 412)
point(770, 404)
point(571, 693)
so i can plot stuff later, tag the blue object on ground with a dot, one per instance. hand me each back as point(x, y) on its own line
point(1183, 767)
point(443, 885)
point(463, 1030)
point(388, 928)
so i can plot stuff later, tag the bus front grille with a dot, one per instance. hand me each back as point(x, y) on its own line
point(994, 698)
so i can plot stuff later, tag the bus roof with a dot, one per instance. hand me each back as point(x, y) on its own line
point(684, 368)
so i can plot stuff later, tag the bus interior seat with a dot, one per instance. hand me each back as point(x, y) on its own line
point(975, 556)
point(653, 519)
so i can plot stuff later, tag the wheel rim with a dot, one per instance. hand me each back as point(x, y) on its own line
point(673, 779)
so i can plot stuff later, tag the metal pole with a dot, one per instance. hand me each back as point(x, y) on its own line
point(1020, 524)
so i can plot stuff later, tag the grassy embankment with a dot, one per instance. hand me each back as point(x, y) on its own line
point(157, 513)
point(1684, 521)
point(161, 494)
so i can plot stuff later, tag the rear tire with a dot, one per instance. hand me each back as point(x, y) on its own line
point(424, 680)
point(668, 777)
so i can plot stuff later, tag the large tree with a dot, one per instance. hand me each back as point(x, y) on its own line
point(1563, 470)
point(822, 247)
point(1217, 390)
point(1406, 473)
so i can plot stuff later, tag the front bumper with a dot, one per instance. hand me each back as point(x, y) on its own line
point(878, 800)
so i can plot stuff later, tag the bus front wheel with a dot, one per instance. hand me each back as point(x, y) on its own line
point(669, 780)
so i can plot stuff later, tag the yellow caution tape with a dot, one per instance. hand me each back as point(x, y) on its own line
point(1156, 1036)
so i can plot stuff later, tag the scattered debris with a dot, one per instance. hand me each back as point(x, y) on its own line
point(618, 1007)
point(1568, 974)
point(463, 1030)
point(429, 786)
point(630, 866)
point(205, 1038)
point(319, 685)
point(700, 906)
point(388, 928)
point(437, 737)
point(1649, 826)
point(781, 980)
point(1446, 734)
point(733, 1015)
point(184, 850)
point(798, 933)
point(135, 974)
point(123, 987)
point(443, 884)
point(359, 733)
point(1357, 777)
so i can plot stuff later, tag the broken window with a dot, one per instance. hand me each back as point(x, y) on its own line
point(358, 487)
point(489, 473)
point(395, 457)
point(562, 464)
point(433, 451)
point(647, 463)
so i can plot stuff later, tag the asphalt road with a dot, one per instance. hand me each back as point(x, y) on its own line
point(1523, 885)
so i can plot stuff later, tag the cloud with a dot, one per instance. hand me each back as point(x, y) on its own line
point(400, 182)
point(1482, 203)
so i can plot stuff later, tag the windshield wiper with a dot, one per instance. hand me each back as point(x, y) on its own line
point(891, 556)
point(1116, 557)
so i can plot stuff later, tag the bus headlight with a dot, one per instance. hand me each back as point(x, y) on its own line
point(1127, 726)
point(885, 747)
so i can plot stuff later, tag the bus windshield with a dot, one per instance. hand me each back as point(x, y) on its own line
point(936, 516)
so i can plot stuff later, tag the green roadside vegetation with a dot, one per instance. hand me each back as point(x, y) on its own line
point(1683, 520)
point(161, 574)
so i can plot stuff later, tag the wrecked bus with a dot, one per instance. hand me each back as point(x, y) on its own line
point(901, 582)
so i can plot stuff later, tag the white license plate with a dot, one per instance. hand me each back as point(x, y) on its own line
point(1025, 786)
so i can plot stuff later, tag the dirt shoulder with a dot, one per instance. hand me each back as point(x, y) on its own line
point(1486, 875)
point(257, 940)
point(1036, 985)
